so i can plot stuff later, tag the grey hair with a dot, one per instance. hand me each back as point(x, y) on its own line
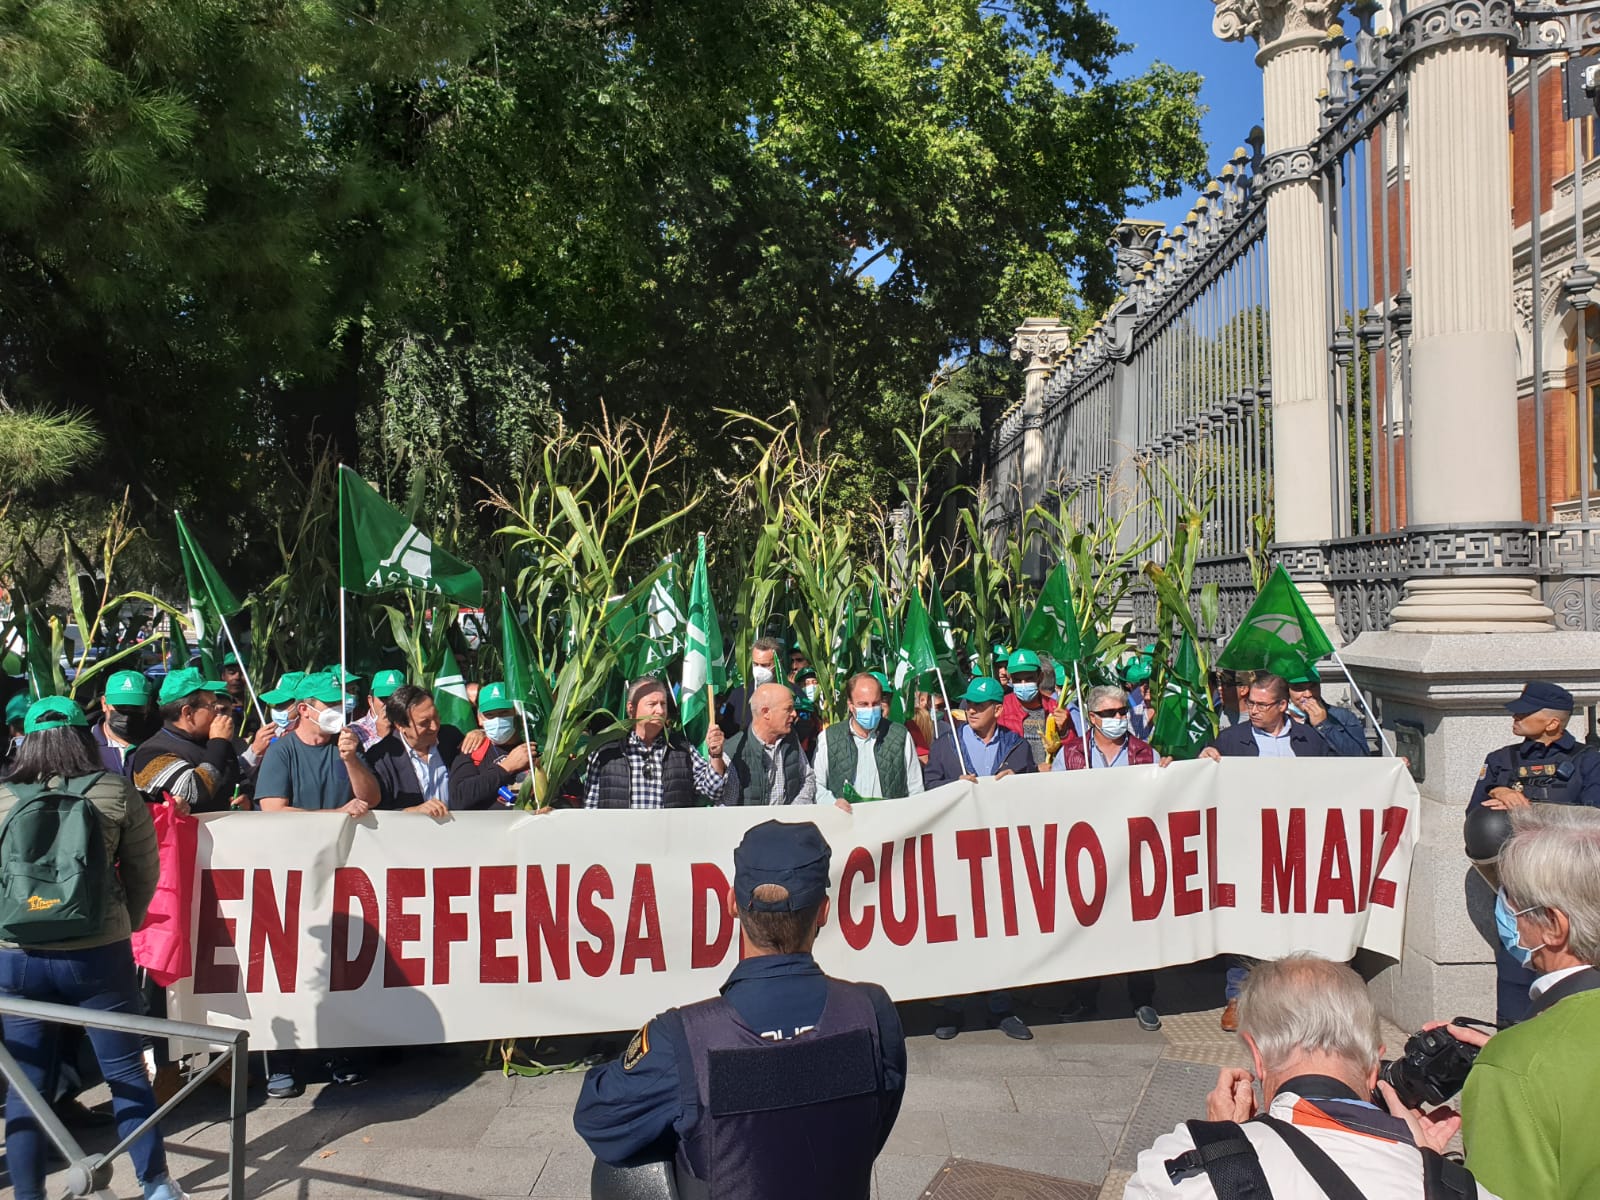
point(1104, 692)
point(1552, 860)
point(766, 643)
point(1303, 1002)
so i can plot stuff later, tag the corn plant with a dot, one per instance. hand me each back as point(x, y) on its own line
point(294, 616)
point(593, 502)
point(1178, 609)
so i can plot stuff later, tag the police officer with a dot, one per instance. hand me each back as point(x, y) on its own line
point(1548, 766)
point(802, 1060)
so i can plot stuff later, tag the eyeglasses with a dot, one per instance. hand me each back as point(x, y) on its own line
point(1263, 703)
point(1111, 712)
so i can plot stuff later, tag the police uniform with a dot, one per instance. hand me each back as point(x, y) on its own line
point(737, 1090)
point(1560, 772)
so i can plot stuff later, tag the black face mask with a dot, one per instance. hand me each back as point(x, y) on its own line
point(131, 726)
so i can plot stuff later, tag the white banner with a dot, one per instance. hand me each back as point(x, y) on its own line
point(316, 930)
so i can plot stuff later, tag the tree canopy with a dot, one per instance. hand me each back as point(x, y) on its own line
point(235, 231)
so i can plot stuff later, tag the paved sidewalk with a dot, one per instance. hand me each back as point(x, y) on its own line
point(1077, 1102)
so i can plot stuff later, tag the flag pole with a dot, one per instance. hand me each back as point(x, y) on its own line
point(1087, 736)
point(344, 671)
point(255, 699)
point(1361, 699)
point(950, 717)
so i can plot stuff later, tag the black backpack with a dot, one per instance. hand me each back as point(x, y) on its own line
point(53, 864)
point(1229, 1158)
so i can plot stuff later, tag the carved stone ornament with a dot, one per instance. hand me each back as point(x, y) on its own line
point(1040, 342)
point(1134, 244)
point(1273, 21)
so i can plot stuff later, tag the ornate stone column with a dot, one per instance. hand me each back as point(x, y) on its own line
point(1039, 344)
point(1464, 345)
point(1293, 56)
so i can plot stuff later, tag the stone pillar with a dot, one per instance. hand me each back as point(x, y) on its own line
point(1293, 55)
point(1464, 345)
point(1039, 344)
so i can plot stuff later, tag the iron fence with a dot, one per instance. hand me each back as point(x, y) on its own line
point(90, 1174)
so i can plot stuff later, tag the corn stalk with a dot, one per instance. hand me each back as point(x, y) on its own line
point(593, 502)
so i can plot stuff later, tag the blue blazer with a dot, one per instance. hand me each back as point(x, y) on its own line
point(1239, 741)
point(944, 764)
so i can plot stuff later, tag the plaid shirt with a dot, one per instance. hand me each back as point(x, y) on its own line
point(646, 764)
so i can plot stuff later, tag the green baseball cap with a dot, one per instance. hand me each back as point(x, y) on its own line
point(1061, 676)
point(186, 681)
point(387, 683)
point(52, 712)
point(323, 686)
point(984, 690)
point(349, 676)
point(283, 694)
point(1001, 654)
point(1137, 670)
point(127, 689)
point(230, 659)
point(17, 707)
point(883, 682)
point(492, 698)
point(1022, 660)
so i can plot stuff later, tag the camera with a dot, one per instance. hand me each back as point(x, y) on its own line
point(1434, 1067)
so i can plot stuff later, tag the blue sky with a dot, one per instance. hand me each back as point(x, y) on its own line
point(1178, 32)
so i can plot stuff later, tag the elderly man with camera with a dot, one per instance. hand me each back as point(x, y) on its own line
point(1529, 1104)
point(1312, 1033)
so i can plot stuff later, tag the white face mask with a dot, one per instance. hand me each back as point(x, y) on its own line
point(761, 675)
point(810, 691)
point(1115, 728)
point(330, 720)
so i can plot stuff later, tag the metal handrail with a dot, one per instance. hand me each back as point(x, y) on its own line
point(88, 1174)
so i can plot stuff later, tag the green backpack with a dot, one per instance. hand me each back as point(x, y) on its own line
point(53, 864)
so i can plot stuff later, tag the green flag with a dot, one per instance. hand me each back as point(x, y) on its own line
point(880, 646)
point(1278, 627)
point(665, 607)
point(178, 654)
point(703, 672)
point(1053, 627)
point(1183, 724)
point(914, 659)
point(36, 658)
point(210, 600)
point(844, 649)
point(380, 550)
point(529, 689)
point(450, 694)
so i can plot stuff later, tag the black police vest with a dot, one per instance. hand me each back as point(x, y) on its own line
point(792, 1120)
point(1551, 780)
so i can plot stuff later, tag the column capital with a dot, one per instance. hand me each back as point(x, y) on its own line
point(1040, 342)
point(1276, 25)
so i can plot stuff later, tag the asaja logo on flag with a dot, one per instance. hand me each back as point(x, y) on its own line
point(410, 562)
point(1286, 628)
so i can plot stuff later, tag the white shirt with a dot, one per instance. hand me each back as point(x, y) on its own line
point(431, 771)
point(866, 780)
point(1383, 1170)
point(774, 752)
point(1549, 979)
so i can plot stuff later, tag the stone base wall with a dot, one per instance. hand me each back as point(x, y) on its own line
point(1455, 687)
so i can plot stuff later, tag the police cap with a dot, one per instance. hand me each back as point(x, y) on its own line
point(1538, 696)
point(791, 854)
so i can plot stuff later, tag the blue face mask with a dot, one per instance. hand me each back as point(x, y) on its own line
point(349, 704)
point(498, 729)
point(1506, 926)
point(281, 717)
point(1025, 691)
point(868, 717)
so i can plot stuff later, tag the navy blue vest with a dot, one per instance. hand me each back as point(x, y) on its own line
point(790, 1120)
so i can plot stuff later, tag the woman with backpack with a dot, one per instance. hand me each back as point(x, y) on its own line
point(78, 868)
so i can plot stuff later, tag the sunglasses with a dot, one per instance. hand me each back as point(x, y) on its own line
point(1111, 712)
